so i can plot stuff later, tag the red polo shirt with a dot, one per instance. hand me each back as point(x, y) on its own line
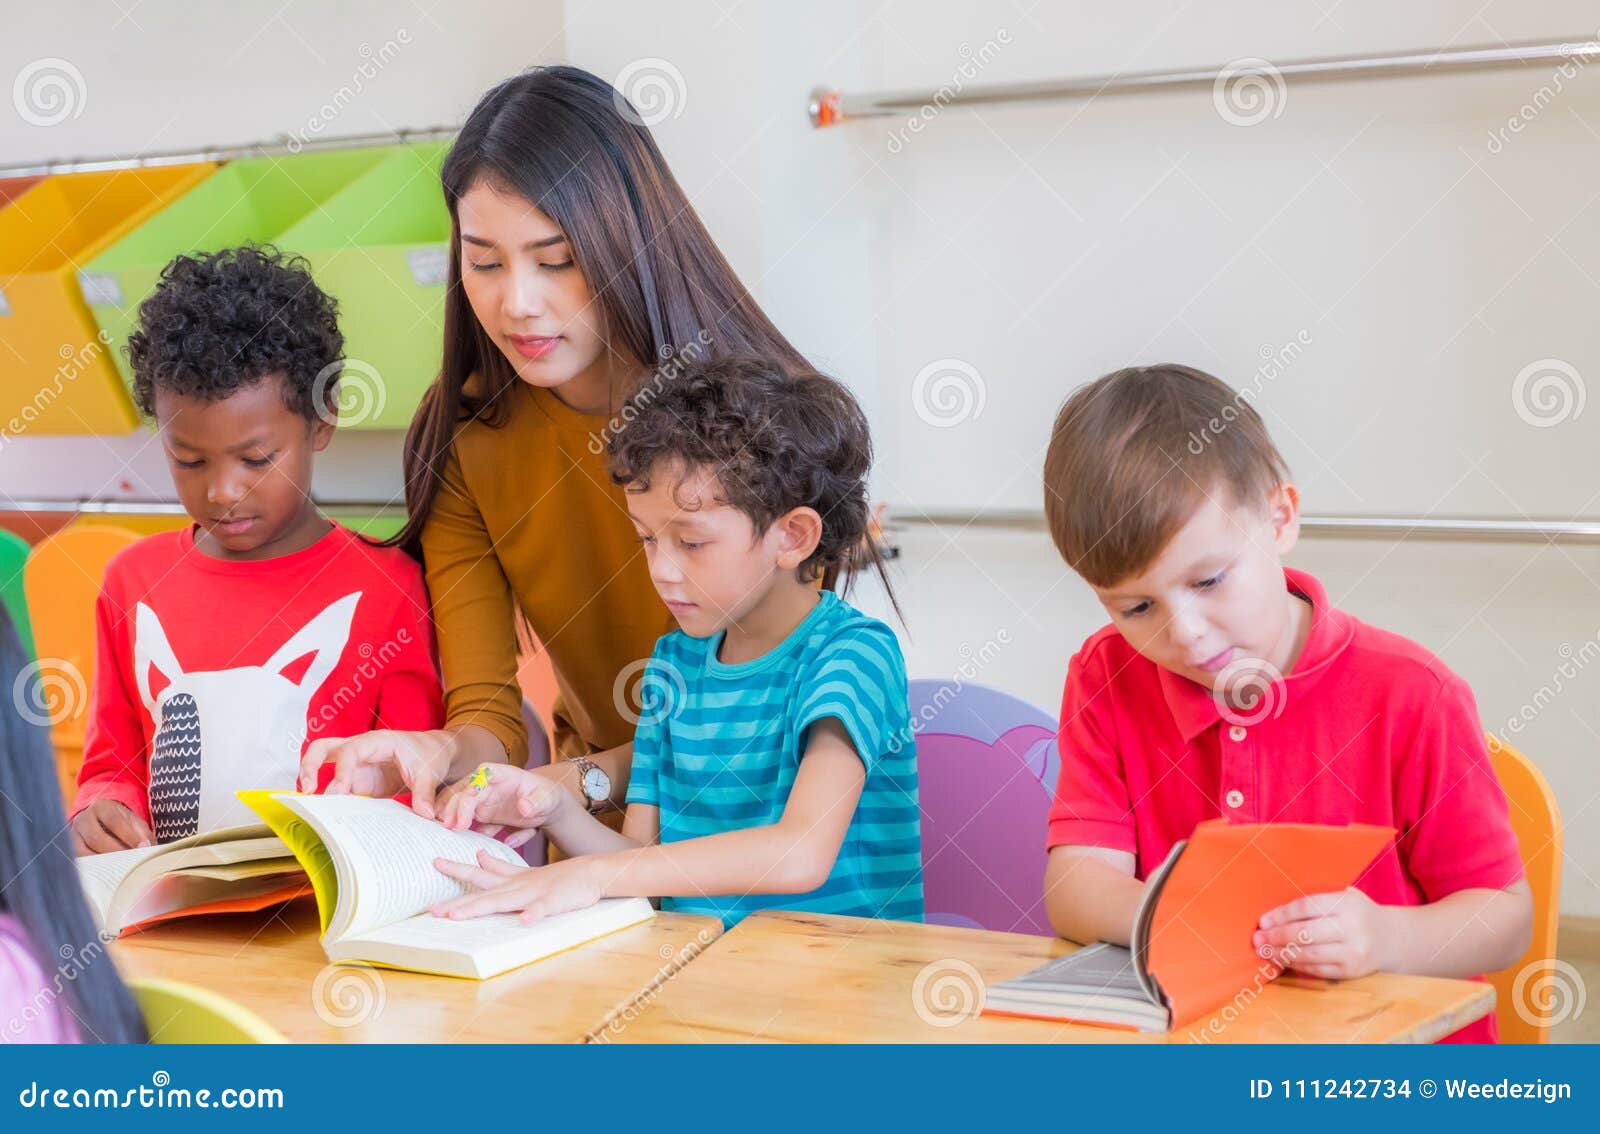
point(1368, 728)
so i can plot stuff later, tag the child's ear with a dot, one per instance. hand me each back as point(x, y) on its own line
point(1283, 507)
point(797, 532)
point(321, 430)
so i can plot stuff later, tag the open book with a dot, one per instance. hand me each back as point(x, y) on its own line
point(231, 869)
point(1191, 949)
point(370, 862)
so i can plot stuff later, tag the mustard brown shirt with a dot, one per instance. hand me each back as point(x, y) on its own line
point(527, 517)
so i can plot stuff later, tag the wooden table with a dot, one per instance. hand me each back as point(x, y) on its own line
point(819, 978)
point(272, 963)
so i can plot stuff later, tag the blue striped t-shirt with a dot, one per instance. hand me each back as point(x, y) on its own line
point(718, 746)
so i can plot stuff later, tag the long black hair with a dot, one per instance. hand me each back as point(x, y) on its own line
point(569, 143)
point(39, 883)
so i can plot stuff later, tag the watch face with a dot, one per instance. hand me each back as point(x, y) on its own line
point(596, 784)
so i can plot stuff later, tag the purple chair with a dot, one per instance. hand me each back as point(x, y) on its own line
point(986, 772)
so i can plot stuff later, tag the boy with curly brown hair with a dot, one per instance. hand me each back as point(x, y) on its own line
point(774, 754)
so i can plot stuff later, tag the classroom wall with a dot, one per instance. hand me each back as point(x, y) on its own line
point(880, 263)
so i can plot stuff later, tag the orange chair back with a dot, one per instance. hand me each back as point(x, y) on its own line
point(1525, 992)
point(62, 581)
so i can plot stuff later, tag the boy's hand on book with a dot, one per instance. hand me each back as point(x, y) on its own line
point(532, 891)
point(1335, 936)
point(497, 796)
point(106, 825)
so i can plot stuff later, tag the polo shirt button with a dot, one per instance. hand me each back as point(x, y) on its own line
point(1236, 798)
point(1236, 732)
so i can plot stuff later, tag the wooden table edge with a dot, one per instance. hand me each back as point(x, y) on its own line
point(694, 934)
point(1469, 1011)
point(1473, 1010)
point(648, 992)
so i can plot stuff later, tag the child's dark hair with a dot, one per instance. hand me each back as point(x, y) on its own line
point(39, 883)
point(219, 322)
point(777, 440)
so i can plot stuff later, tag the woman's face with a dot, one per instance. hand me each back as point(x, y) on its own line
point(527, 292)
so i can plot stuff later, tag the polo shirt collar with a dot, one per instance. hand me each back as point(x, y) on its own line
point(1192, 705)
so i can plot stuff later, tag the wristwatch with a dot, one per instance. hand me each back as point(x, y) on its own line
point(594, 783)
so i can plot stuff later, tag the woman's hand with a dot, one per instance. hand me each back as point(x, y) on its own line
point(533, 891)
point(497, 796)
point(383, 763)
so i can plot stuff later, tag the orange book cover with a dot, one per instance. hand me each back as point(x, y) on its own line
point(1192, 947)
point(1199, 948)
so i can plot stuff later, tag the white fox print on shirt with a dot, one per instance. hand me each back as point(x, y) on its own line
point(224, 730)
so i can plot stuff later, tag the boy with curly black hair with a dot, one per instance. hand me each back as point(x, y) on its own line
point(223, 648)
point(774, 752)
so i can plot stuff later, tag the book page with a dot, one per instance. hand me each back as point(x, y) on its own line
point(1098, 969)
point(388, 851)
point(468, 936)
point(101, 874)
point(171, 858)
point(238, 871)
point(1145, 917)
point(490, 944)
point(478, 933)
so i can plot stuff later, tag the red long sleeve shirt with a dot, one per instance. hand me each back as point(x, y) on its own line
point(213, 675)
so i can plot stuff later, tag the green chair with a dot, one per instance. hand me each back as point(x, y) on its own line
point(13, 558)
point(175, 1012)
